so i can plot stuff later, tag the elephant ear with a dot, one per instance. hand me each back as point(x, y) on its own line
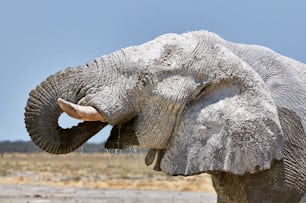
point(232, 125)
point(294, 149)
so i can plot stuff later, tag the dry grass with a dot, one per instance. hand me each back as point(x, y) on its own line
point(124, 171)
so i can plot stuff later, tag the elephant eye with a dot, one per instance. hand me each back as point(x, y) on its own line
point(145, 79)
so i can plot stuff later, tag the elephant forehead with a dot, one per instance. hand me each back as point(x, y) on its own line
point(151, 51)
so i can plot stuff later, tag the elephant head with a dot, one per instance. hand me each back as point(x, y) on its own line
point(191, 98)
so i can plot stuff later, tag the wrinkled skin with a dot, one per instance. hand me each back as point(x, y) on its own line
point(200, 103)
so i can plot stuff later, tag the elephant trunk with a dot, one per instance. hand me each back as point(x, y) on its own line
point(42, 112)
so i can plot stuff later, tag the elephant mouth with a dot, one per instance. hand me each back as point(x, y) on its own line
point(124, 135)
point(121, 136)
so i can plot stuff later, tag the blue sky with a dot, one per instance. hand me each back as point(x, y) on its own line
point(40, 37)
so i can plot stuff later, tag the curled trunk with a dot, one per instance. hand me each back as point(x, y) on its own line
point(42, 113)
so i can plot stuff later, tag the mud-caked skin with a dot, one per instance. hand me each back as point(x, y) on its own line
point(200, 103)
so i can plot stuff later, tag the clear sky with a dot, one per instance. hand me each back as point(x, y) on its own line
point(41, 37)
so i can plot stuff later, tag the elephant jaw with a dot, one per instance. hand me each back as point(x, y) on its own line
point(85, 113)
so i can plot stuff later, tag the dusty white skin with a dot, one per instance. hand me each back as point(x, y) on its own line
point(208, 104)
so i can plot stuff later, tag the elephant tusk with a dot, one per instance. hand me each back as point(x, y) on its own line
point(85, 113)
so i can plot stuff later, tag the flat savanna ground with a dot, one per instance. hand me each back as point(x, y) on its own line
point(94, 171)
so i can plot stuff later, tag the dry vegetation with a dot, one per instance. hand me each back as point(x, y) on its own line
point(124, 171)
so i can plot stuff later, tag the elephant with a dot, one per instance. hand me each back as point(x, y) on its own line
point(198, 103)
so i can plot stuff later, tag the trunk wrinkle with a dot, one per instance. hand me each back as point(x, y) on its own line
point(42, 113)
